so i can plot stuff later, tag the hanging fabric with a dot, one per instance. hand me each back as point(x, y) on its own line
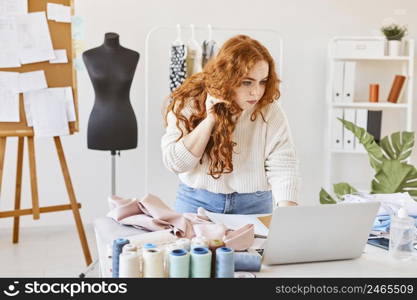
point(178, 62)
point(194, 55)
point(209, 47)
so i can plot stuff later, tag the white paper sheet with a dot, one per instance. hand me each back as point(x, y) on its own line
point(35, 43)
point(9, 97)
point(235, 222)
point(59, 12)
point(47, 113)
point(62, 94)
point(11, 8)
point(60, 57)
point(30, 81)
point(9, 50)
point(65, 95)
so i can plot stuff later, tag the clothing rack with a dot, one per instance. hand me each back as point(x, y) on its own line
point(211, 30)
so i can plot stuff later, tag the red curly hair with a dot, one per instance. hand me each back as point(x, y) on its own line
point(219, 78)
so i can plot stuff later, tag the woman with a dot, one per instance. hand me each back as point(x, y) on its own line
point(227, 136)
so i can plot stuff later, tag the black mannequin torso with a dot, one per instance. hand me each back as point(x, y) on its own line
point(112, 123)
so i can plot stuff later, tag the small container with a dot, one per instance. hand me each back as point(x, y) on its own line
point(374, 92)
point(402, 234)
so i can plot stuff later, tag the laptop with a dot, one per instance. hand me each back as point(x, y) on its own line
point(300, 234)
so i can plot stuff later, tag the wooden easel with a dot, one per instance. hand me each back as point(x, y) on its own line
point(36, 210)
point(57, 75)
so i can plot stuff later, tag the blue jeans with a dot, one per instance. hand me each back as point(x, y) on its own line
point(190, 199)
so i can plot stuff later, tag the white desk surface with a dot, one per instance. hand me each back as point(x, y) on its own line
point(374, 262)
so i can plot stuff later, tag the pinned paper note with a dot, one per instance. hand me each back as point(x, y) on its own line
point(11, 8)
point(59, 12)
point(30, 81)
point(59, 94)
point(9, 97)
point(60, 57)
point(49, 111)
point(9, 50)
point(35, 43)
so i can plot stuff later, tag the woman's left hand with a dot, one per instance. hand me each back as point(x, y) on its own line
point(287, 203)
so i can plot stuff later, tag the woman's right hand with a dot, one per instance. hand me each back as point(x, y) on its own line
point(210, 102)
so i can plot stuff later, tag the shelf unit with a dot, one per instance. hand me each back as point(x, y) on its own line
point(407, 69)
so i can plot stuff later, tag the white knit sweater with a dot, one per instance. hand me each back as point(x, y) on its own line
point(265, 157)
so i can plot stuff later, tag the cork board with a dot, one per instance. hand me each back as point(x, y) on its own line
point(57, 75)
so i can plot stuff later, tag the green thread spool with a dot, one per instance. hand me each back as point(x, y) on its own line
point(200, 262)
point(179, 264)
point(225, 263)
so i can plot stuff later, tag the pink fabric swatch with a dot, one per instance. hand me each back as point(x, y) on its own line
point(152, 214)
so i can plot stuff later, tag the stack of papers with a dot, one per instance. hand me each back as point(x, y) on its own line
point(25, 39)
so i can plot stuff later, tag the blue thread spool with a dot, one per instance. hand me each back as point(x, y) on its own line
point(200, 262)
point(179, 263)
point(117, 249)
point(245, 261)
point(225, 263)
point(149, 246)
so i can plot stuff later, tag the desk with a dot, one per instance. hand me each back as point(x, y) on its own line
point(374, 262)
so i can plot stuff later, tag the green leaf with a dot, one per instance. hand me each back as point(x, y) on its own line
point(343, 188)
point(376, 156)
point(395, 177)
point(398, 145)
point(325, 198)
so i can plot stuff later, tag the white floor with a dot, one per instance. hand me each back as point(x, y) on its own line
point(45, 252)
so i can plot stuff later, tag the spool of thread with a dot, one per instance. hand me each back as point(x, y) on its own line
point(199, 241)
point(374, 92)
point(200, 262)
point(153, 263)
point(117, 249)
point(183, 243)
point(244, 275)
point(213, 246)
point(248, 261)
point(167, 251)
point(225, 263)
point(129, 265)
point(149, 246)
point(129, 248)
point(179, 263)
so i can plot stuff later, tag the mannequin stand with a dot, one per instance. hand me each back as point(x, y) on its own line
point(36, 210)
point(113, 171)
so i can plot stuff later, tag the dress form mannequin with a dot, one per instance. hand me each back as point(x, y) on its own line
point(112, 123)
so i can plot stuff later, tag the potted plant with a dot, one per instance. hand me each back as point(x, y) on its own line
point(394, 33)
point(393, 174)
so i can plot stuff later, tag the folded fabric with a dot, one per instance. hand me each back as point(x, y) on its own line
point(210, 231)
point(152, 214)
point(240, 239)
point(383, 223)
point(390, 203)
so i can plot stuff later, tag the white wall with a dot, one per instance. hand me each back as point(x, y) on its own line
point(306, 27)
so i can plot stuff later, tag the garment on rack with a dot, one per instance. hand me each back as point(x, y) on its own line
point(178, 66)
point(151, 213)
point(194, 58)
point(209, 51)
